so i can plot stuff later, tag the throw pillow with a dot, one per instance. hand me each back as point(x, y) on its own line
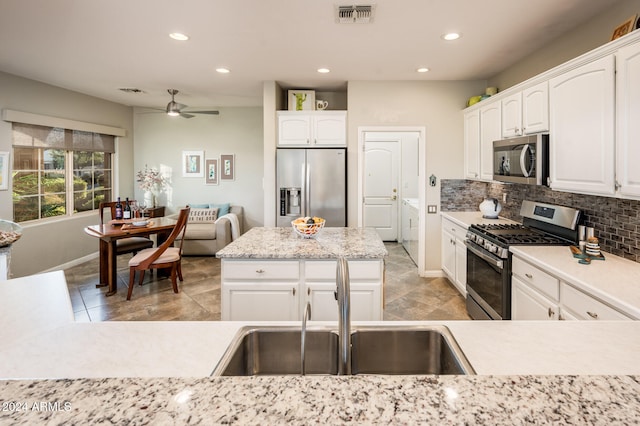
point(222, 208)
point(203, 215)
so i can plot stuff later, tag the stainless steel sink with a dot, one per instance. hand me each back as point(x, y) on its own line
point(414, 350)
point(383, 350)
point(258, 351)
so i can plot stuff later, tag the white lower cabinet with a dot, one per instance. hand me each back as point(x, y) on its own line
point(275, 290)
point(454, 254)
point(538, 295)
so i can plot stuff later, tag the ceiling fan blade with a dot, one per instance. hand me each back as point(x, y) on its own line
point(185, 115)
point(204, 112)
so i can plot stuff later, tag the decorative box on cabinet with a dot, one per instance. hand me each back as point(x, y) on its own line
point(313, 128)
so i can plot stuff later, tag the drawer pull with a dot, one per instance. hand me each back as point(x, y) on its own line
point(551, 313)
point(529, 276)
point(592, 315)
point(260, 271)
point(294, 291)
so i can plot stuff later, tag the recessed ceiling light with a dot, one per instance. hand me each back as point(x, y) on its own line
point(179, 36)
point(223, 70)
point(451, 36)
point(423, 69)
point(324, 70)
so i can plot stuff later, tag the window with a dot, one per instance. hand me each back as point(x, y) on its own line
point(59, 172)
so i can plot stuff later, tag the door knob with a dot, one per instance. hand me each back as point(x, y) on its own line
point(393, 198)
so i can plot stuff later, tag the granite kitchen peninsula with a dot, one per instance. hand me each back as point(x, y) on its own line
point(270, 274)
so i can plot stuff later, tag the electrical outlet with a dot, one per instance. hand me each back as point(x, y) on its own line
point(504, 197)
point(432, 209)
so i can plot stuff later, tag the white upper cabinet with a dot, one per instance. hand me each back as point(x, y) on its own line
point(526, 112)
point(490, 130)
point(628, 120)
point(472, 144)
point(535, 109)
point(317, 128)
point(582, 128)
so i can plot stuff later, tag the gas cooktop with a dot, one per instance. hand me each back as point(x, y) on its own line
point(515, 234)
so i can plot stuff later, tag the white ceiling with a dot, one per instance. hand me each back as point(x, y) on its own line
point(98, 46)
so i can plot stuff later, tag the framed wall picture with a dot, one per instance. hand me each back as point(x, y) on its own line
point(192, 163)
point(4, 170)
point(211, 170)
point(624, 28)
point(302, 100)
point(227, 167)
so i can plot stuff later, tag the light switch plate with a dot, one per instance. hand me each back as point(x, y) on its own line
point(432, 209)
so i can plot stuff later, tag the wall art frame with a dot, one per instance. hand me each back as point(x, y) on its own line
point(192, 163)
point(227, 167)
point(211, 171)
point(302, 100)
point(4, 170)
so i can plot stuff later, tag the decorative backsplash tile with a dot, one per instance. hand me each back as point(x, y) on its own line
point(616, 221)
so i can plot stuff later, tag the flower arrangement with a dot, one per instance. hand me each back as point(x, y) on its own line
point(150, 179)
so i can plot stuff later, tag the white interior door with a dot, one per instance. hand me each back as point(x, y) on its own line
point(380, 200)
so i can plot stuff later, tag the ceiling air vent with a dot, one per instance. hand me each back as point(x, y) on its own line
point(359, 14)
point(130, 90)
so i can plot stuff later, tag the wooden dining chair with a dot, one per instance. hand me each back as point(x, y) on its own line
point(124, 245)
point(164, 256)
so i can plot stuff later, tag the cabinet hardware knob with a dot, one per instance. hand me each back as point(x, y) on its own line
point(551, 313)
point(260, 271)
point(529, 276)
point(592, 315)
point(294, 291)
point(308, 291)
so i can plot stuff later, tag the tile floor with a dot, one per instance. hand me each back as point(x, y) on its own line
point(407, 296)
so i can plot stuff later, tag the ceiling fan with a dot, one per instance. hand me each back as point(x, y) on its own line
point(176, 109)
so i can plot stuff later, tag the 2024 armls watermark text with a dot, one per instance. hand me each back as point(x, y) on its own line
point(42, 406)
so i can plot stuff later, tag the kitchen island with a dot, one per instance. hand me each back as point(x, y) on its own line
point(56, 371)
point(271, 273)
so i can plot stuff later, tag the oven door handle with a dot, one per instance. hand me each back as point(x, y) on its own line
point(484, 256)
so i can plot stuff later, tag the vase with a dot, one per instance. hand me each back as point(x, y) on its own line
point(149, 199)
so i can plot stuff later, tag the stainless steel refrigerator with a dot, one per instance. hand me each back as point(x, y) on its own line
point(311, 182)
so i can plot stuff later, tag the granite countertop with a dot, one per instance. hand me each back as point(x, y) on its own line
point(442, 400)
point(284, 243)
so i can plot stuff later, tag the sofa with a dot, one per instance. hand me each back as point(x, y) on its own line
point(208, 231)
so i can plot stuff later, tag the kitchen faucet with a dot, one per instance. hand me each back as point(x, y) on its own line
point(343, 295)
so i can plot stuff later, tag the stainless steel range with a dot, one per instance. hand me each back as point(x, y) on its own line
point(489, 259)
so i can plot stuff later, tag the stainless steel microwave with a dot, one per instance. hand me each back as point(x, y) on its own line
point(523, 159)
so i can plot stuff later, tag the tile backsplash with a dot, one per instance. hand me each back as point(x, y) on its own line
point(616, 221)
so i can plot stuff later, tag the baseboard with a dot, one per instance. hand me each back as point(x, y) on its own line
point(74, 262)
point(432, 273)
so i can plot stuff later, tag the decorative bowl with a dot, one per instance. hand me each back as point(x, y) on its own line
point(307, 230)
point(140, 223)
point(10, 232)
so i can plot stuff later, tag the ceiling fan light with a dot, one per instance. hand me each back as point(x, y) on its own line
point(173, 109)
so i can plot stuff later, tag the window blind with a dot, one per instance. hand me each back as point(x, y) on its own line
point(29, 135)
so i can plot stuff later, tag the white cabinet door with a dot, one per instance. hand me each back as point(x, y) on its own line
point(585, 307)
point(448, 254)
point(512, 115)
point(260, 302)
point(294, 129)
point(535, 109)
point(628, 120)
point(365, 301)
point(582, 129)
point(490, 130)
point(330, 129)
point(528, 304)
point(472, 144)
point(461, 266)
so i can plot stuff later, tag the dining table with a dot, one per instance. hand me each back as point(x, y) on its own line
point(110, 232)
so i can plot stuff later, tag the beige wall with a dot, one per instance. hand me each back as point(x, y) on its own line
point(39, 247)
point(435, 105)
point(582, 39)
point(160, 140)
